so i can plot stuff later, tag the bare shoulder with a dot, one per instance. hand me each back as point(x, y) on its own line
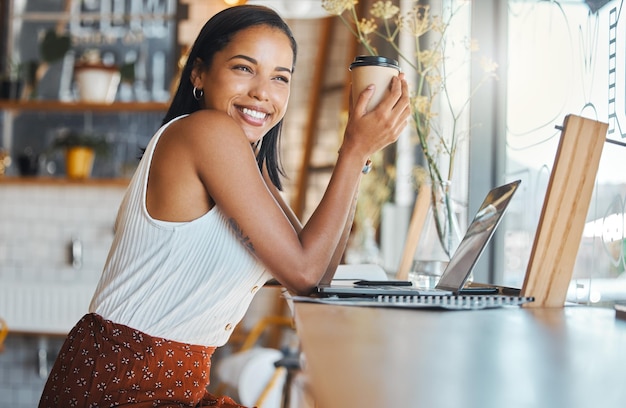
point(210, 143)
point(205, 125)
point(201, 138)
point(196, 157)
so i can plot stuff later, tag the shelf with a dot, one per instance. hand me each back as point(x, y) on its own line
point(57, 106)
point(64, 181)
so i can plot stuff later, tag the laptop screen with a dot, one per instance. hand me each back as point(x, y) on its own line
point(477, 236)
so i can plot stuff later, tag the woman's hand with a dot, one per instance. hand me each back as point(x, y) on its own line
point(369, 132)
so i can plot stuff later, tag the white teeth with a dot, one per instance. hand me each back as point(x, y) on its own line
point(253, 113)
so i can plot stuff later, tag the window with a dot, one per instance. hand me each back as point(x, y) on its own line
point(561, 58)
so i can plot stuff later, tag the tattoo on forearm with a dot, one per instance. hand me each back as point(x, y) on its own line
point(245, 240)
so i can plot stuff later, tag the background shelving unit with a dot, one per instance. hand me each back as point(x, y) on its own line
point(145, 37)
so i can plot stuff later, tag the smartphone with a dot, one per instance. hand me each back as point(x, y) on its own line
point(383, 283)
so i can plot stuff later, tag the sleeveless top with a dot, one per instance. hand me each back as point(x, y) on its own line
point(191, 282)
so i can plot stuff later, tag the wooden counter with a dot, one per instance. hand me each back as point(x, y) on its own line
point(510, 357)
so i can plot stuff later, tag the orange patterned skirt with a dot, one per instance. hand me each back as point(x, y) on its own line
point(104, 364)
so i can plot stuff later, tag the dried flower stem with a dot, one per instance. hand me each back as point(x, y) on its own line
point(429, 65)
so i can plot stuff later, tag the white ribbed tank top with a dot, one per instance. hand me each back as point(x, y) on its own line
point(190, 282)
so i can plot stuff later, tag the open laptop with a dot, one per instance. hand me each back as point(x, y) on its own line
point(459, 268)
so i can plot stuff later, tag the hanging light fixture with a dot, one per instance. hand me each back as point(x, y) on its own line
point(294, 9)
point(234, 2)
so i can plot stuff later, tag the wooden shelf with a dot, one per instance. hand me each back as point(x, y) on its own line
point(57, 106)
point(64, 181)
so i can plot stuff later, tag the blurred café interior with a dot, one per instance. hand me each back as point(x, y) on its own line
point(551, 59)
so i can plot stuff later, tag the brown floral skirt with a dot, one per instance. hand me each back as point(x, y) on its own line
point(104, 364)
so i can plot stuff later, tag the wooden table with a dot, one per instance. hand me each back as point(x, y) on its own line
point(510, 357)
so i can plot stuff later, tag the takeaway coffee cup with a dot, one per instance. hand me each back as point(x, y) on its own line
point(375, 70)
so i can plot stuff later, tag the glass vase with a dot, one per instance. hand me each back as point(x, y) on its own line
point(439, 238)
point(363, 248)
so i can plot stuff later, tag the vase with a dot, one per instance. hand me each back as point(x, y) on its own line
point(439, 238)
point(79, 162)
point(11, 89)
point(363, 248)
point(97, 83)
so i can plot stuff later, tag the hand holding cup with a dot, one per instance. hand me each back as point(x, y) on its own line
point(375, 70)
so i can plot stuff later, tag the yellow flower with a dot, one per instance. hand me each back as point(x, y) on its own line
point(337, 7)
point(488, 65)
point(437, 25)
point(420, 176)
point(421, 104)
point(374, 191)
point(434, 81)
point(474, 45)
point(367, 26)
point(416, 21)
point(384, 10)
point(429, 59)
point(434, 116)
point(391, 171)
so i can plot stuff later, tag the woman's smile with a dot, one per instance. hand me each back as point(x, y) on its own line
point(253, 116)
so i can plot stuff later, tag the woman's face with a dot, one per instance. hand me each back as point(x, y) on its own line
point(250, 79)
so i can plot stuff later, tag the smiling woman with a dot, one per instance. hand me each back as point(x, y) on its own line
point(203, 225)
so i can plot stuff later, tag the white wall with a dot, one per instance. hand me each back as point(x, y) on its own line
point(40, 290)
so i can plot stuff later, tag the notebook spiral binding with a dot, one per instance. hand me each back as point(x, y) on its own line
point(469, 302)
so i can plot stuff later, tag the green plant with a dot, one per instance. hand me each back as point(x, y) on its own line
point(127, 72)
point(53, 46)
point(12, 71)
point(91, 57)
point(73, 138)
point(12, 80)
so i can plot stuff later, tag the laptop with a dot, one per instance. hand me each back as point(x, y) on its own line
point(459, 268)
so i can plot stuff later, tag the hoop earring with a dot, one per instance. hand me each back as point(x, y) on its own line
point(197, 93)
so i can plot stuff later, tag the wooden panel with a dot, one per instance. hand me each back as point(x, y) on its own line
point(564, 211)
point(326, 35)
point(420, 209)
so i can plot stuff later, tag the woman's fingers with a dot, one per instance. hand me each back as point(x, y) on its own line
point(382, 126)
point(363, 100)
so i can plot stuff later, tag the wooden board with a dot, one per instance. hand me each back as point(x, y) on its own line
point(564, 211)
point(420, 209)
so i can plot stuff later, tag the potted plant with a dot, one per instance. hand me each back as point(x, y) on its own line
point(80, 151)
point(11, 82)
point(96, 81)
point(53, 46)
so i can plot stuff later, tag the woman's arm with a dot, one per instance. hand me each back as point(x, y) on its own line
point(293, 218)
point(205, 159)
point(343, 243)
point(341, 248)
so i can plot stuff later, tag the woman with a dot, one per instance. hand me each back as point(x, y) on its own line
point(203, 226)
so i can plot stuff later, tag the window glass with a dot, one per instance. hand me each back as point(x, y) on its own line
point(567, 58)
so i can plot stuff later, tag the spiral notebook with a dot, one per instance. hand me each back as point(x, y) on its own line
point(445, 302)
point(450, 291)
